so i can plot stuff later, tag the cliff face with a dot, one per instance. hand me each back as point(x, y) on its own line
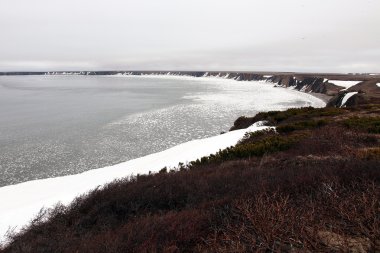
point(306, 84)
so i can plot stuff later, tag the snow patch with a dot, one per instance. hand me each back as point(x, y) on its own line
point(21, 202)
point(303, 89)
point(345, 84)
point(378, 85)
point(346, 97)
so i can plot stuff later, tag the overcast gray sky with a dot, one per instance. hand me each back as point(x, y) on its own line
point(280, 35)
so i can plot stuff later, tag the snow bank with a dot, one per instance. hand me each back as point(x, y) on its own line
point(21, 202)
point(345, 84)
point(346, 97)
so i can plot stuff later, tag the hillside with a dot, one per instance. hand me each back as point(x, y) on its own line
point(312, 185)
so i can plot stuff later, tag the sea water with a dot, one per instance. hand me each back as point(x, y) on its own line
point(60, 125)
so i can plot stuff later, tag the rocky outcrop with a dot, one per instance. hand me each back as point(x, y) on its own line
point(368, 92)
point(306, 84)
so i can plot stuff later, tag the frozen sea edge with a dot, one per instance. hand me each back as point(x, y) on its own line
point(22, 202)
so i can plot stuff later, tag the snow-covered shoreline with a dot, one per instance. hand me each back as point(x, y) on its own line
point(21, 202)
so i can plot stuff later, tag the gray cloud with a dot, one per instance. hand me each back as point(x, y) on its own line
point(291, 35)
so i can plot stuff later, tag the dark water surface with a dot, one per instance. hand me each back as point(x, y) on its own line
point(59, 125)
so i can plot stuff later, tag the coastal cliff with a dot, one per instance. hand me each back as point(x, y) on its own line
point(333, 87)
